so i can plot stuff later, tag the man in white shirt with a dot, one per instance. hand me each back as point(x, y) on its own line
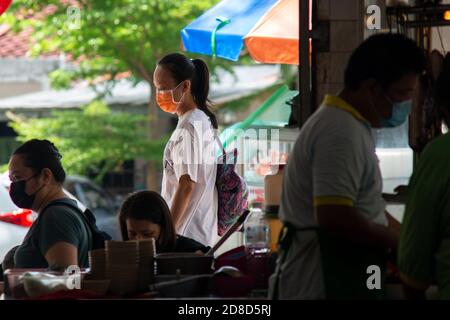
point(331, 197)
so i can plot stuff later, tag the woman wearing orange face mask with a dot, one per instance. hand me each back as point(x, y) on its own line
point(188, 186)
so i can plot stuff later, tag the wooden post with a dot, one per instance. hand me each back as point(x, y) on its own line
point(305, 109)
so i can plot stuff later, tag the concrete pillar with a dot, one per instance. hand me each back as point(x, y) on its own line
point(346, 31)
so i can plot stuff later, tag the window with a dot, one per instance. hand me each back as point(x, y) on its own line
point(396, 161)
point(395, 155)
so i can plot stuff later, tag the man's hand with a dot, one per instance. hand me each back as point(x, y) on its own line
point(394, 224)
point(401, 190)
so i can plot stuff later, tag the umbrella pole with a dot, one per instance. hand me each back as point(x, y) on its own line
point(304, 108)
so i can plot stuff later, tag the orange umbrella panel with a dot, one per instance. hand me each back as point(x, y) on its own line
point(275, 38)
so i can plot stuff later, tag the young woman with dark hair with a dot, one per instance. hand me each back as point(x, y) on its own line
point(182, 87)
point(145, 215)
point(59, 237)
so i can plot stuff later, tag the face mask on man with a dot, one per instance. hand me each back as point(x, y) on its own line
point(165, 100)
point(400, 112)
point(19, 196)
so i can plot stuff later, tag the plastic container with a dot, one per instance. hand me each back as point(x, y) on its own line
point(273, 185)
point(256, 234)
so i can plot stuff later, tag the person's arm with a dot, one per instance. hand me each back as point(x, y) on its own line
point(8, 261)
point(62, 255)
point(347, 222)
point(181, 200)
point(59, 237)
point(421, 240)
point(187, 168)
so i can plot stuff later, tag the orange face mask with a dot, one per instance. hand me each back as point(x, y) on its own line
point(165, 100)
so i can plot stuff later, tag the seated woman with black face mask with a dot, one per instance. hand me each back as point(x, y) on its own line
point(59, 237)
point(145, 215)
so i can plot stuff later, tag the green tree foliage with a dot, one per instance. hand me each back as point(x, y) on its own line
point(103, 38)
point(93, 139)
point(106, 36)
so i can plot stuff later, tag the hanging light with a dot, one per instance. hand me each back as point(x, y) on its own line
point(447, 15)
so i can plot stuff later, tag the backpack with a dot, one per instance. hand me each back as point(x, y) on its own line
point(98, 237)
point(232, 190)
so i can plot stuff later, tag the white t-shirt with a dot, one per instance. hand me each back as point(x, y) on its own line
point(333, 162)
point(191, 151)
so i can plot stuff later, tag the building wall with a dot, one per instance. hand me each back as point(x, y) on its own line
point(22, 75)
point(444, 34)
point(346, 31)
point(11, 89)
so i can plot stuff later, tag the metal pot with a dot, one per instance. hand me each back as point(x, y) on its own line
point(192, 263)
point(183, 263)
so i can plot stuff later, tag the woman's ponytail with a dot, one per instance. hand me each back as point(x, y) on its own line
point(200, 89)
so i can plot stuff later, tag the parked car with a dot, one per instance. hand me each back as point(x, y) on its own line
point(104, 206)
point(15, 222)
point(92, 195)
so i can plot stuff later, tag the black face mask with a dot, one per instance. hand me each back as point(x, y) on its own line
point(19, 196)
